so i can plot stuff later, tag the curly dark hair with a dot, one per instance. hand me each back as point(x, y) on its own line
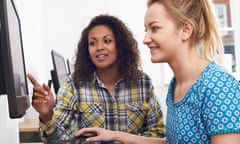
point(127, 49)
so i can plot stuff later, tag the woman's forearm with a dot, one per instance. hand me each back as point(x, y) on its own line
point(126, 138)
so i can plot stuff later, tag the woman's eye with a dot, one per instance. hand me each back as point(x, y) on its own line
point(155, 28)
point(107, 41)
point(92, 43)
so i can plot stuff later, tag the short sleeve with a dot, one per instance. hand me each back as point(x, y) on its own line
point(221, 107)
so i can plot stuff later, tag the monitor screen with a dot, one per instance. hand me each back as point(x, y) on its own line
point(59, 73)
point(12, 64)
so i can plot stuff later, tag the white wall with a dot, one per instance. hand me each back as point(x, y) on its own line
point(8, 127)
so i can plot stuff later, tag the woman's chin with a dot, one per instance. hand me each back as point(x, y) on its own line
point(156, 60)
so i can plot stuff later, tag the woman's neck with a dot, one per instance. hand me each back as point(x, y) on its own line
point(186, 75)
point(188, 70)
point(109, 77)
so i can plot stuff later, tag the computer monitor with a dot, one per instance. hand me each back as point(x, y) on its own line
point(59, 72)
point(69, 67)
point(13, 80)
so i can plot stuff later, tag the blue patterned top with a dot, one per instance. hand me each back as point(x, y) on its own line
point(211, 106)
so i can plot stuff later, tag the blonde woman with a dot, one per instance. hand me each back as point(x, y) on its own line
point(203, 99)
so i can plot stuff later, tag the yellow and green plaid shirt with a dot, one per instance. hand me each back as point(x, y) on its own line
point(131, 108)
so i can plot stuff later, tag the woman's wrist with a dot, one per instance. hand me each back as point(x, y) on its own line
point(46, 118)
point(118, 136)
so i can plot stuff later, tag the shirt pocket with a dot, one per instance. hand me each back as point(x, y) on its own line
point(91, 115)
point(137, 114)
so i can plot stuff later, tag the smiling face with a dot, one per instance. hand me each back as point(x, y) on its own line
point(102, 47)
point(162, 36)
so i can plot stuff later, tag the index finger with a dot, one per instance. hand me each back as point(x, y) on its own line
point(33, 80)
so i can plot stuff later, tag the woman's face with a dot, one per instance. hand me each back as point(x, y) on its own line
point(102, 47)
point(162, 37)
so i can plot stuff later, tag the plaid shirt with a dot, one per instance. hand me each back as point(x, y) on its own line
point(131, 108)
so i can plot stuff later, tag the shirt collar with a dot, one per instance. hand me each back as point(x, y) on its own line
point(98, 82)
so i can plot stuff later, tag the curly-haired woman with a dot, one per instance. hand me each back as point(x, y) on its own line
point(108, 89)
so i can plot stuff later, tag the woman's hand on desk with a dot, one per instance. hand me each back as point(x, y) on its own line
point(42, 99)
point(98, 134)
point(117, 137)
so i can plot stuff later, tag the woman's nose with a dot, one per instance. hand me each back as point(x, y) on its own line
point(100, 46)
point(147, 39)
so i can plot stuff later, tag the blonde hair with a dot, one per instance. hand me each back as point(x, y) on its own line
point(205, 30)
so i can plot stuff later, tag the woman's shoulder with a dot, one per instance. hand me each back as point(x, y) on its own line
point(145, 76)
point(69, 82)
point(69, 78)
point(217, 70)
point(214, 73)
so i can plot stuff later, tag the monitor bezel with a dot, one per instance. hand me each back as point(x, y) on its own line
point(17, 105)
point(54, 72)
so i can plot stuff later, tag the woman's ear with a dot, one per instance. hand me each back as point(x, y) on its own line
point(187, 30)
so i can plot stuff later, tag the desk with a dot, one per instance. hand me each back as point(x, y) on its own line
point(28, 131)
point(29, 125)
